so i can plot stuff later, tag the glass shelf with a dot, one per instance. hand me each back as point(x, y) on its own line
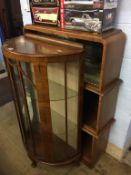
point(57, 91)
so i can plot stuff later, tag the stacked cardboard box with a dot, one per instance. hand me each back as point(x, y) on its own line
point(45, 11)
point(88, 15)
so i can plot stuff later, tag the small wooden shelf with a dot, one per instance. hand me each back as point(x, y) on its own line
point(96, 90)
point(111, 44)
point(95, 117)
point(93, 147)
point(70, 33)
point(89, 130)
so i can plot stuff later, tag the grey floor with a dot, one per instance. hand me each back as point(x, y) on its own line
point(14, 161)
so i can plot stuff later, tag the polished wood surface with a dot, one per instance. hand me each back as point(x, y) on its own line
point(28, 49)
point(70, 33)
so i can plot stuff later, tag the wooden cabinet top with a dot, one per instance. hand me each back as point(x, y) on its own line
point(29, 48)
point(101, 38)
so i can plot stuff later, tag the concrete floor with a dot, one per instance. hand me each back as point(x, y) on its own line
point(14, 161)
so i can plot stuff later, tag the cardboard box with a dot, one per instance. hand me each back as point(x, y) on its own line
point(45, 15)
point(85, 16)
point(92, 21)
point(90, 4)
point(45, 2)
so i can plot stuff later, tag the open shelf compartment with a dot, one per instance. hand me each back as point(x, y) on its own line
point(93, 62)
point(93, 147)
point(91, 101)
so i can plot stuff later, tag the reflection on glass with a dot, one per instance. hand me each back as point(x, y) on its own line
point(20, 98)
point(72, 103)
point(31, 96)
point(63, 92)
point(93, 63)
point(27, 99)
point(57, 98)
point(92, 72)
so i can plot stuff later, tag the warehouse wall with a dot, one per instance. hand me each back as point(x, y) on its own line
point(25, 11)
point(121, 130)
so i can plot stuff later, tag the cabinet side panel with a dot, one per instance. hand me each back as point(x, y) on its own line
point(112, 59)
point(93, 148)
point(99, 145)
point(107, 107)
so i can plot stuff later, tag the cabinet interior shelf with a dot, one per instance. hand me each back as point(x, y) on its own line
point(90, 130)
point(91, 88)
point(57, 91)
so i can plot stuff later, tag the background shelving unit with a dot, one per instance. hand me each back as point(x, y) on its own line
point(103, 59)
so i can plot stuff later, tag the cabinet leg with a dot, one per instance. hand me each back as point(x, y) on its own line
point(34, 164)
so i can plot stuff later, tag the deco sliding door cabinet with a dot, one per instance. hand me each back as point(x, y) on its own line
point(102, 65)
point(46, 81)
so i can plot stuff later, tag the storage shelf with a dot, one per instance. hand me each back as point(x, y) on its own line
point(71, 33)
point(92, 88)
point(97, 91)
point(90, 130)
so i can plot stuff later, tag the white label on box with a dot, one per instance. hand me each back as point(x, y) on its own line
point(87, 2)
point(109, 4)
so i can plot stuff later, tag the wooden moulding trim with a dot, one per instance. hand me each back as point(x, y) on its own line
point(93, 132)
point(115, 151)
point(113, 84)
point(71, 33)
point(65, 162)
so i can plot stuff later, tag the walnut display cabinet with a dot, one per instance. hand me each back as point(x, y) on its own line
point(103, 59)
point(86, 135)
point(46, 79)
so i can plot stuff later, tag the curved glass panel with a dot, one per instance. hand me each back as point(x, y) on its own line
point(56, 140)
point(63, 80)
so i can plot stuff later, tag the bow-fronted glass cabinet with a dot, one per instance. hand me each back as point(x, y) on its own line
point(46, 78)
